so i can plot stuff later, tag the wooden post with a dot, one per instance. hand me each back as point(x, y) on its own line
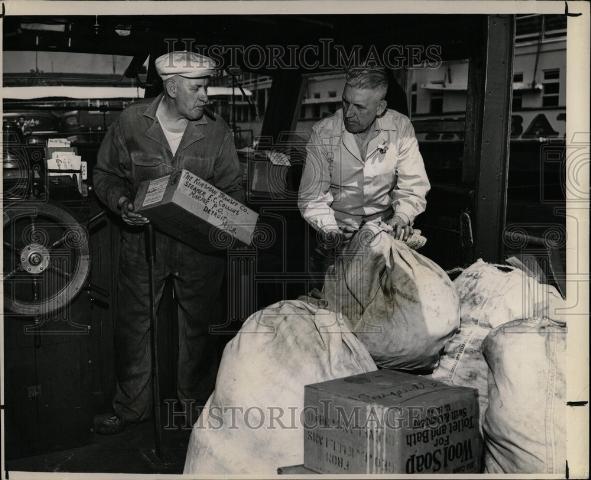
point(486, 147)
point(154, 83)
point(401, 96)
point(284, 103)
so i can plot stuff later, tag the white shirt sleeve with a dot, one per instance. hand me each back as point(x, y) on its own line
point(314, 197)
point(409, 195)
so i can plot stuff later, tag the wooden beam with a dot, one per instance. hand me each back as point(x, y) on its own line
point(474, 105)
point(284, 103)
point(154, 83)
point(399, 92)
point(486, 146)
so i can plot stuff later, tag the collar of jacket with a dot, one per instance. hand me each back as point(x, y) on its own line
point(383, 126)
point(193, 132)
point(382, 123)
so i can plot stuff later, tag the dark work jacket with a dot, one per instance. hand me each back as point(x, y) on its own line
point(135, 149)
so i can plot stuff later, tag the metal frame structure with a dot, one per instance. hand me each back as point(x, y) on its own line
point(486, 147)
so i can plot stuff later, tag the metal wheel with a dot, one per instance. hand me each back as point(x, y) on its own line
point(46, 258)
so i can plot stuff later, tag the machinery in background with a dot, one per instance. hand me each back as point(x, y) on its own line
point(50, 330)
point(46, 253)
point(60, 274)
point(23, 166)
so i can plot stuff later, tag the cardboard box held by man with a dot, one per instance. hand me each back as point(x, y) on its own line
point(195, 212)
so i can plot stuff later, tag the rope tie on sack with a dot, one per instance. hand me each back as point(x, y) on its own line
point(415, 241)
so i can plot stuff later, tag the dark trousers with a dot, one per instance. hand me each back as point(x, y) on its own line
point(198, 281)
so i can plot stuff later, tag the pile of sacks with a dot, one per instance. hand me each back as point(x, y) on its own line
point(385, 305)
point(511, 347)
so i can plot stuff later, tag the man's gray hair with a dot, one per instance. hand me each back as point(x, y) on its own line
point(373, 78)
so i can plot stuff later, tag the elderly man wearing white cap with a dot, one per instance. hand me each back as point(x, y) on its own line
point(149, 140)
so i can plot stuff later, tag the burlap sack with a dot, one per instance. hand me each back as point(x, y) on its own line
point(525, 423)
point(401, 305)
point(252, 422)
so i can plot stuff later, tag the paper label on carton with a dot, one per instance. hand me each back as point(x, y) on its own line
point(155, 192)
point(222, 210)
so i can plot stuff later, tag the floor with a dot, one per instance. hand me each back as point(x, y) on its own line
point(131, 451)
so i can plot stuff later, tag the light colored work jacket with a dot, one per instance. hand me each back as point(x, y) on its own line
point(339, 186)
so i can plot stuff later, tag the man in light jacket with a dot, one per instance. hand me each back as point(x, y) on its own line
point(363, 163)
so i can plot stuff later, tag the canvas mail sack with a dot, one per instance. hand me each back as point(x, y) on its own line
point(490, 296)
point(400, 304)
point(525, 423)
point(253, 422)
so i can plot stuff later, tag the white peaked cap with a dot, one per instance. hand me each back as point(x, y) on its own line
point(186, 64)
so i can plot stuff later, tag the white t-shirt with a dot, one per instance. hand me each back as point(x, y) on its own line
point(173, 138)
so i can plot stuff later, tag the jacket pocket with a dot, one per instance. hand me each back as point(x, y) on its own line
point(149, 168)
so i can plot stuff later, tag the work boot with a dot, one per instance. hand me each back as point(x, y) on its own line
point(109, 424)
